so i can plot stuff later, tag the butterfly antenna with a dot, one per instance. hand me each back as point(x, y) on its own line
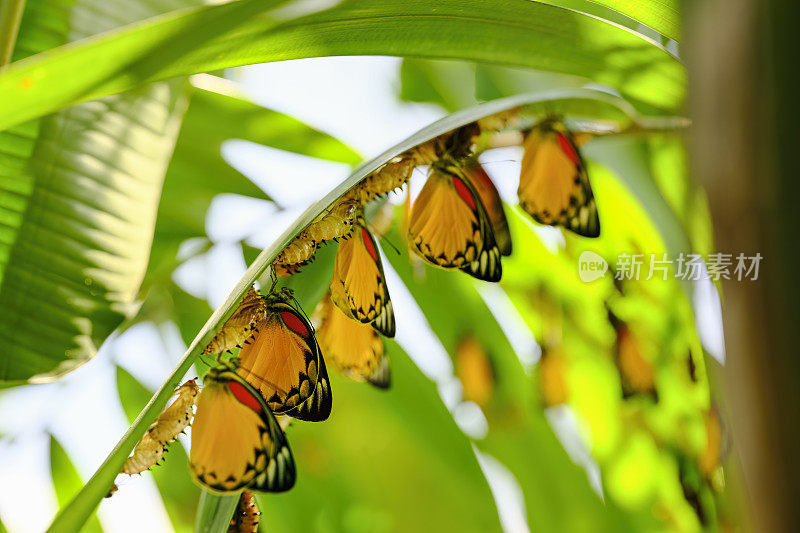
point(484, 163)
point(302, 312)
point(274, 279)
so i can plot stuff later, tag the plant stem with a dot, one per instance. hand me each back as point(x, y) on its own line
point(214, 512)
point(10, 17)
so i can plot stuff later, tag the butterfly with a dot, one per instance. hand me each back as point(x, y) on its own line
point(449, 227)
point(358, 286)
point(474, 368)
point(711, 458)
point(637, 374)
point(552, 382)
point(283, 361)
point(236, 440)
point(492, 203)
point(355, 348)
point(554, 186)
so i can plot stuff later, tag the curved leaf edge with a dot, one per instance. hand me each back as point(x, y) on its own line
point(228, 19)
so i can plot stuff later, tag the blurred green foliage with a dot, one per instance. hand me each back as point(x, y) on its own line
point(66, 481)
point(385, 461)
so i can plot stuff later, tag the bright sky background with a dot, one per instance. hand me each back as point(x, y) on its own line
point(353, 99)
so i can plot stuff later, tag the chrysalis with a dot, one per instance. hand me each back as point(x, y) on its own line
point(239, 326)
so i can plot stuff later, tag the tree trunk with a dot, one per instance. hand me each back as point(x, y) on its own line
point(743, 58)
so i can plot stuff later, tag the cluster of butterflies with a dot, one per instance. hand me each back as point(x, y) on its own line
point(246, 402)
point(457, 221)
point(279, 374)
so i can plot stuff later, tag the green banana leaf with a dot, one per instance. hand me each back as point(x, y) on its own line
point(664, 16)
point(510, 32)
point(79, 194)
point(67, 481)
point(197, 172)
point(385, 461)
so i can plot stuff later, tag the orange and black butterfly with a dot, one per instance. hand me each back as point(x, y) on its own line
point(711, 458)
point(552, 377)
point(358, 286)
point(353, 347)
point(492, 203)
point(284, 362)
point(474, 369)
point(554, 186)
point(236, 440)
point(637, 374)
point(449, 226)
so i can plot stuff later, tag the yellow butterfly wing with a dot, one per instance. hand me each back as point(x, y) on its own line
point(236, 441)
point(283, 361)
point(637, 373)
point(449, 227)
point(492, 203)
point(353, 347)
point(474, 369)
point(358, 286)
point(554, 186)
point(552, 377)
